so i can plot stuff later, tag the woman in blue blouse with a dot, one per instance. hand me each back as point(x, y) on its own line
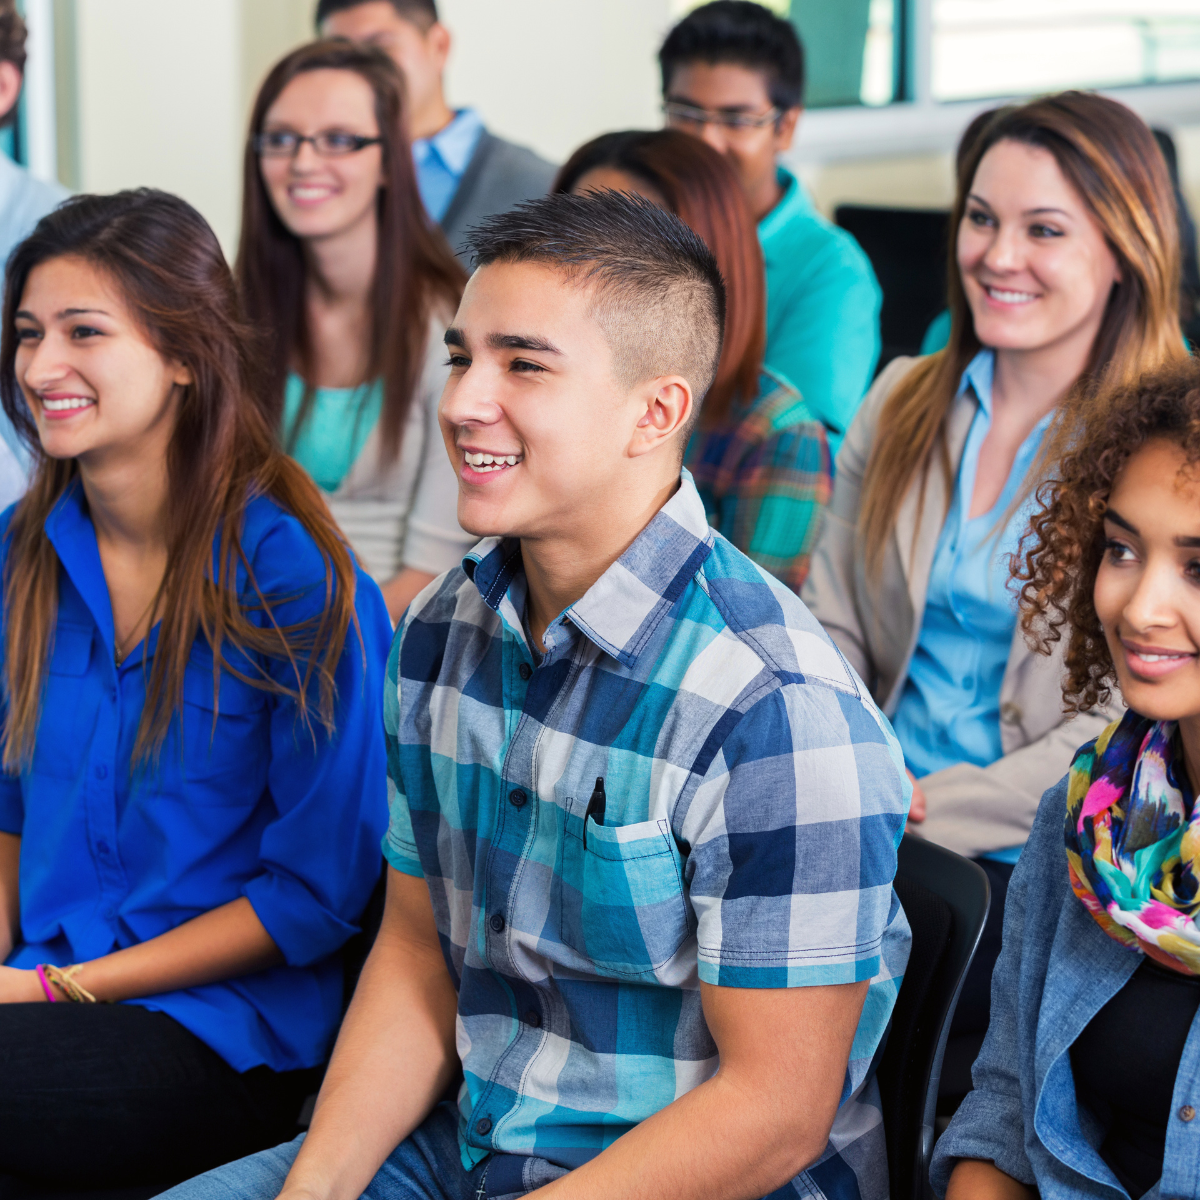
point(1088, 1084)
point(194, 776)
point(1065, 278)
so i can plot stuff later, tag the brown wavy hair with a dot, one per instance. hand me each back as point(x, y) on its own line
point(415, 271)
point(1108, 154)
point(1060, 555)
point(701, 189)
point(166, 262)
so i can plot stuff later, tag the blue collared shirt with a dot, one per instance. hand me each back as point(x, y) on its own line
point(754, 799)
point(949, 711)
point(1057, 970)
point(112, 856)
point(442, 159)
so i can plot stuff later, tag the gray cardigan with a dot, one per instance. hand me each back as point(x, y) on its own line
point(499, 175)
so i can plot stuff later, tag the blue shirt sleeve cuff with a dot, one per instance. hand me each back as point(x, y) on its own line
point(305, 932)
point(404, 862)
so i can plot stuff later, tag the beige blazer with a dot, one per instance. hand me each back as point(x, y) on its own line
point(970, 809)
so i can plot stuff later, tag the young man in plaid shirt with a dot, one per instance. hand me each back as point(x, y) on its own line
point(644, 817)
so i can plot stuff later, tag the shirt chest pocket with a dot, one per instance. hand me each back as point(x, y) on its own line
point(63, 744)
point(226, 745)
point(622, 902)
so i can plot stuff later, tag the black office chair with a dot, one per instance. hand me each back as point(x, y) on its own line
point(945, 898)
point(907, 249)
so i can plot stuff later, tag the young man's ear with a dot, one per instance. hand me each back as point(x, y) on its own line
point(668, 409)
point(785, 128)
point(437, 38)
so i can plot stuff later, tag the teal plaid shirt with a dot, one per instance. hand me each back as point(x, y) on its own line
point(765, 475)
point(745, 835)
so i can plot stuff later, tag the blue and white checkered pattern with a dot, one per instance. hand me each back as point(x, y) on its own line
point(755, 798)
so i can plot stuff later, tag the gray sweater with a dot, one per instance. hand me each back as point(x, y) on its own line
point(499, 175)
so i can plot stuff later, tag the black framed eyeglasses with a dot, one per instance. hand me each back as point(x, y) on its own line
point(331, 143)
point(688, 116)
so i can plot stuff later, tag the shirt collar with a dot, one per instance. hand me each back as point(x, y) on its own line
point(978, 377)
point(454, 144)
point(624, 606)
point(793, 203)
point(73, 537)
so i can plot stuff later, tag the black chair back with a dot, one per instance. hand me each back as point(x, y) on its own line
point(945, 898)
point(907, 248)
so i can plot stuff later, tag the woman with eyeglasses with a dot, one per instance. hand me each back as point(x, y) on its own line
point(193, 788)
point(353, 287)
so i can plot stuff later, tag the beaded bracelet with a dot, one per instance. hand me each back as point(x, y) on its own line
point(41, 974)
point(65, 978)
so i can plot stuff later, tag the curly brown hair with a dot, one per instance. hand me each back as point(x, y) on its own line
point(1061, 553)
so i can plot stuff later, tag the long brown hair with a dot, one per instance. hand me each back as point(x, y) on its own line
point(1110, 157)
point(415, 271)
point(167, 264)
point(700, 188)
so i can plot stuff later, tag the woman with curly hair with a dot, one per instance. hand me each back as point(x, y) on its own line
point(1089, 1078)
point(1064, 280)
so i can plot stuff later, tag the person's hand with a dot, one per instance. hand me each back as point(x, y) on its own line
point(916, 810)
point(20, 987)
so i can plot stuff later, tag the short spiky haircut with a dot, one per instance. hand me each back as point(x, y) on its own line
point(658, 293)
point(736, 31)
point(422, 13)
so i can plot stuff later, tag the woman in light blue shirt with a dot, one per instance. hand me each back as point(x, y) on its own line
point(193, 792)
point(353, 287)
point(1065, 280)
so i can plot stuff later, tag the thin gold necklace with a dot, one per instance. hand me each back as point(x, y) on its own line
point(119, 655)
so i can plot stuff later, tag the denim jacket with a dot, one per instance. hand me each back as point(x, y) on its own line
point(1055, 973)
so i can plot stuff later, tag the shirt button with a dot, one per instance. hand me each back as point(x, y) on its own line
point(525, 671)
point(517, 798)
point(102, 849)
point(101, 772)
point(497, 922)
point(533, 1020)
point(1187, 1112)
point(483, 1127)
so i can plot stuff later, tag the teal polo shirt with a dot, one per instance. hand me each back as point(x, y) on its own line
point(822, 308)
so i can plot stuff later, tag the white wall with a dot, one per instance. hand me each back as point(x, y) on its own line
point(553, 73)
point(159, 100)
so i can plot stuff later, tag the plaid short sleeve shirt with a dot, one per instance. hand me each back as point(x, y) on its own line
point(745, 835)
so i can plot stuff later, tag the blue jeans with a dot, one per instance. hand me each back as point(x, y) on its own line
point(425, 1166)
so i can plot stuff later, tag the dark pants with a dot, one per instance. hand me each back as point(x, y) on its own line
point(113, 1095)
point(975, 1001)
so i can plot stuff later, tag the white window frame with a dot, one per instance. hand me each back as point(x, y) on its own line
point(923, 125)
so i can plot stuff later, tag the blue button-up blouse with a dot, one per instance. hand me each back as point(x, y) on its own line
point(113, 855)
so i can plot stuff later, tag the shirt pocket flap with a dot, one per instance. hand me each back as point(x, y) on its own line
point(622, 896)
point(72, 650)
point(236, 697)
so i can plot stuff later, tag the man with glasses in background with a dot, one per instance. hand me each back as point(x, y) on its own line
point(733, 74)
point(464, 172)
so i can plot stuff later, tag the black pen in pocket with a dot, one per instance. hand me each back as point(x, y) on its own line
point(595, 806)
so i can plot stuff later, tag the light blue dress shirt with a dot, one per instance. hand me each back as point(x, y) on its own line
point(949, 711)
point(442, 159)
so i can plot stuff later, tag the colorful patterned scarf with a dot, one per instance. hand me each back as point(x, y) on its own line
point(1133, 840)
